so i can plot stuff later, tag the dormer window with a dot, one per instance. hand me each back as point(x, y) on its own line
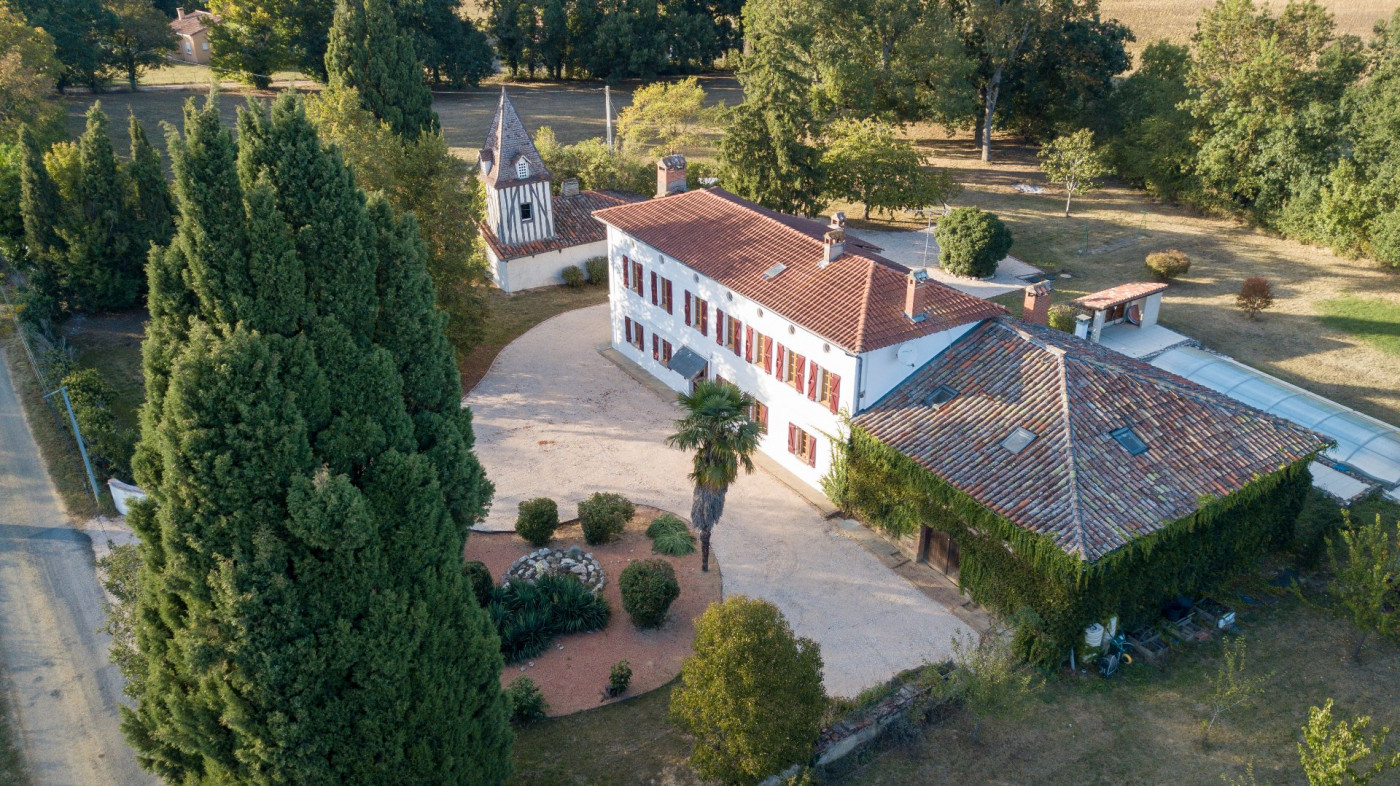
point(522, 169)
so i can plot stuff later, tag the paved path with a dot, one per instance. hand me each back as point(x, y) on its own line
point(554, 418)
point(63, 689)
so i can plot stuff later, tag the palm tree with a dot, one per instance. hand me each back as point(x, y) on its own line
point(718, 428)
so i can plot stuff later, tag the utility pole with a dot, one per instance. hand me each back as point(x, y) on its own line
point(607, 109)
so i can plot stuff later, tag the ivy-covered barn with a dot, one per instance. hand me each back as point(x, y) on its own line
point(1049, 473)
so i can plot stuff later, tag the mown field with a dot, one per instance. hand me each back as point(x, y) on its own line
point(1151, 20)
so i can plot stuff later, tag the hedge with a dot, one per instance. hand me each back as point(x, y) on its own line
point(1010, 569)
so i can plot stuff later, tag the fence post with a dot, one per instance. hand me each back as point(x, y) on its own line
point(78, 435)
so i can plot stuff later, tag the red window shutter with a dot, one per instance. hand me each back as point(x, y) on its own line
point(667, 296)
point(626, 273)
point(768, 354)
point(792, 438)
point(655, 347)
point(627, 321)
point(719, 326)
point(811, 451)
point(778, 370)
point(835, 391)
point(800, 368)
point(653, 288)
point(748, 344)
point(641, 338)
point(687, 307)
point(704, 318)
point(812, 381)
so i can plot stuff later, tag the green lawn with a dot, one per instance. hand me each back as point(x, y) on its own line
point(630, 742)
point(1375, 321)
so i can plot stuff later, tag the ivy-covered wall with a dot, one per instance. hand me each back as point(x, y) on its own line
point(1010, 569)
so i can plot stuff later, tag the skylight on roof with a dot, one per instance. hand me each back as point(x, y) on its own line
point(773, 271)
point(1018, 440)
point(1130, 441)
point(940, 396)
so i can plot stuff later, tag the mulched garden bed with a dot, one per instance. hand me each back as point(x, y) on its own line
point(574, 671)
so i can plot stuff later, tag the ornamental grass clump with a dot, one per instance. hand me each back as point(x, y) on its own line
point(670, 536)
point(648, 587)
point(529, 616)
point(537, 521)
point(604, 515)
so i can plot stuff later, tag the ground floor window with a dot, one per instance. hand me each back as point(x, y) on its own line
point(802, 445)
point(758, 413)
point(660, 349)
point(635, 335)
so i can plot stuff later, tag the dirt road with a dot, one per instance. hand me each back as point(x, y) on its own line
point(64, 690)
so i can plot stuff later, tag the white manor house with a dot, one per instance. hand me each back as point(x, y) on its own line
point(807, 320)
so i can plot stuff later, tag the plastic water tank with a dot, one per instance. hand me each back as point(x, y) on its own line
point(1093, 635)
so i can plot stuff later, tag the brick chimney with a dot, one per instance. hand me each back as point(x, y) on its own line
point(916, 291)
point(569, 187)
point(1035, 308)
point(670, 175)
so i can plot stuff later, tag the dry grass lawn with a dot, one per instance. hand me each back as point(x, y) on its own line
point(1116, 227)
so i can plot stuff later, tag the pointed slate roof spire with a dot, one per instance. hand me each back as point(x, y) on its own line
point(506, 143)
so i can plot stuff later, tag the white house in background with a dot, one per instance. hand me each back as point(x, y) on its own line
point(532, 235)
point(808, 321)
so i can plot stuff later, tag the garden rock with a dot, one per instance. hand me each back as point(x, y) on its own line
point(546, 561)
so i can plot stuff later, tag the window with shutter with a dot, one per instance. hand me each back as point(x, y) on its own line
point(734, 336)
point(627, 328)
point(666, 353)
point(812, 380)
point(758, 413)
point(637, 283)
point(654, 296)
point(666, 295)
point(719, 327)
point(688, 323)
point(802, 445)
point(655, 347)
point(833, 392)
point(748, 344)
point(780, 364)
point(626, 272)
point(767, 345)
point(704, 318)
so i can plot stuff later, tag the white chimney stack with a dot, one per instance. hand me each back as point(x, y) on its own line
point(833, 246)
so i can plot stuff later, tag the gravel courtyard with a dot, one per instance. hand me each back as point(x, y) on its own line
point(555, 418)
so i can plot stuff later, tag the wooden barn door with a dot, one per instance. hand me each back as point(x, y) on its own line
point(940, 551)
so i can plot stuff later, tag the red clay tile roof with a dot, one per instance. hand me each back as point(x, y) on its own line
point(192, 22)
point(574, 224)
point(506, 143)
point(1075, 484)
point(1122, 293)
point(856, 302)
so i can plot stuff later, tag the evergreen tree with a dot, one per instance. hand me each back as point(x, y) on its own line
point(554, 38)
point(368, 51)
point(104, 262)
point(302, 615)
point(40, 208)
point(152, 217)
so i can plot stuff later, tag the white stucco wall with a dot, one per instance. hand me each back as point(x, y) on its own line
point(876, 372)
point(540, 270)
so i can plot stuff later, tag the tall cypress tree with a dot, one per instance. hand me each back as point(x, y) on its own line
point(368, 51)
point(103, 268)
point(40, 207)
point(152, 217)
point(302, 615)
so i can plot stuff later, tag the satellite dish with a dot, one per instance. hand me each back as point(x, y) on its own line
point(905, 355)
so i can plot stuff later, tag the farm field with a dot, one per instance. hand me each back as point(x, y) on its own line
point(1175, 21)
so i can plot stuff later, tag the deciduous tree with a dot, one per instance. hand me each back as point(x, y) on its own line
point(751, 694)
point(78, 28)
point(1256, 295)
point(664, 117)
point(1230, 687)
point(1366, 564)
point(140, 39)
point(1332, 749)
point(28, 72)
point(989, 678)
point(1074, 162)
point(866, 161)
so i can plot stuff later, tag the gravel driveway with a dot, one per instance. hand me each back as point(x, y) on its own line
point(555, 418)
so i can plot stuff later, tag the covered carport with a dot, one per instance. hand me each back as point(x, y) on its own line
point(1364, 445)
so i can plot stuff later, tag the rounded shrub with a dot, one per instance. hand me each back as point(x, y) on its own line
point(479, 577)
point(1169, 264)
point(573, 276)
point(527, 704)
point(1061, 317)
point(537, 520)
point(648, 588)
point(604, 515)
point(1385, 238)
point(971, 242)
point(666, 522)
point(597, 269)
